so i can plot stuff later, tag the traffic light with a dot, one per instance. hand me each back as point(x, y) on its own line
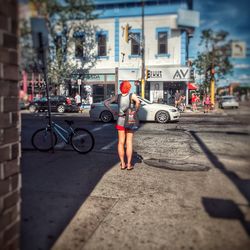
point(127, 33)
point(147, 73)
point(192, 74)
point(212, 73)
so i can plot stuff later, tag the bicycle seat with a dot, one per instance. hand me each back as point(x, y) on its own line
point(69, 122)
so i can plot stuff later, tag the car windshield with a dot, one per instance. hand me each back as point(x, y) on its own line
point(228, 98)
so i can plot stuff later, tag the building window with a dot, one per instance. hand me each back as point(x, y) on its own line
point(79, 47)
point(162, 42)
point(102, 44)
point(135, 44)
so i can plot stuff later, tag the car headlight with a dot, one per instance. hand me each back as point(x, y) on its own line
point(173, 110)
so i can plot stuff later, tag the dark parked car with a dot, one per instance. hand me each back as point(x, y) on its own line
point(59, 104)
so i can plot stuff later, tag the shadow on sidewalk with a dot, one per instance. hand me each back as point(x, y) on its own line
point(54, 186)
point(214, 207)
point(225, 209)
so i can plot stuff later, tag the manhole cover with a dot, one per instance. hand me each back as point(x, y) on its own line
point(180, 166)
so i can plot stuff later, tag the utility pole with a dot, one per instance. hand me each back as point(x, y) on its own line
point(143, 54)
point(212, 81)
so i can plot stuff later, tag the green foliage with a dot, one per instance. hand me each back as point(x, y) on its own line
point(215, 55)
point(63, 19)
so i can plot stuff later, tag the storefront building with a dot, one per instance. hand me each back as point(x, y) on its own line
point(166, 49)
point(162, 83)
point(95, 86)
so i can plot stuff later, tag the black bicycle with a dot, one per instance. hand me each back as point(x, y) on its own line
point(80, 139)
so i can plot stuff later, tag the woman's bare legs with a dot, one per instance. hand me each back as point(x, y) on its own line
point(121, 143)
point(129, 148)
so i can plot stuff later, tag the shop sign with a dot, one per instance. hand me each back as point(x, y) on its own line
point(238, 49)
point(179, 74)
point(94, 78)
point(169, 74)
point(155, 74)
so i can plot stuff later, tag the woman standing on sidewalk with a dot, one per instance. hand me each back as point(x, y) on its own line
point(207, 103)
point(124, 135)
point(194, 101)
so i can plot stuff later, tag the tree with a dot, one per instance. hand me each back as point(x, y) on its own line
point(64, 19)
point(215, 56)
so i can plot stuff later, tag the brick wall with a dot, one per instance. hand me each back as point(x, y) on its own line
point(9, 128)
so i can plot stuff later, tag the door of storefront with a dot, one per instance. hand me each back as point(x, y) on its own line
point(169, 89)
point(98, 92)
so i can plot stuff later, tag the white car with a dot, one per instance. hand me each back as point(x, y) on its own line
point(149, 111)
point(228, 101)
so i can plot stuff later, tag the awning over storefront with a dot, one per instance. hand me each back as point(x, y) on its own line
point(191, 86)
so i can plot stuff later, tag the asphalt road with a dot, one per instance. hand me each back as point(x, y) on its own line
point(203, 206)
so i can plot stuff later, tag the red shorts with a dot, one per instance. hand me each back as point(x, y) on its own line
point(121, 128)
point(118, 127)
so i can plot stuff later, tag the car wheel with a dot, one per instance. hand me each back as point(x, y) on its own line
point(60, 109)
point(32, 108)
point(162, 116)
point(106, 116)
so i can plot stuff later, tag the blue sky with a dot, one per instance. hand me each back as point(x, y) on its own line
point(232, 16)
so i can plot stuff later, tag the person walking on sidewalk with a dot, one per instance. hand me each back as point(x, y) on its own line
point(78, 100)
point(194, 102)
point(207, 103)
point(177, 97)
point(124, 135)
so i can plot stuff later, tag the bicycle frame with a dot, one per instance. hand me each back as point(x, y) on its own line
point(61, 132)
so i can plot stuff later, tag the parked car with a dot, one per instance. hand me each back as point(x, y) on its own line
point(59, 104)
point(228, 101)
point(149, 111)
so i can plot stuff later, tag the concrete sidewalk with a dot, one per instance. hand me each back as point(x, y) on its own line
point(153, 208)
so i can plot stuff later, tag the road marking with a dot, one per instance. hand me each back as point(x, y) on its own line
point(109, 145)
point(99, 128)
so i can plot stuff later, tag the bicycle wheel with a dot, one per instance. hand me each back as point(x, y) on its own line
point(82, 140)
point(41, 140)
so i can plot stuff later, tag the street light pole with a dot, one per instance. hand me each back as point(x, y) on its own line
point(143, 55)
point(212, 81)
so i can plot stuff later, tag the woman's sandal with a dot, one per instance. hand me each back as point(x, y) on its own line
point(130, 168)
point(123, 168)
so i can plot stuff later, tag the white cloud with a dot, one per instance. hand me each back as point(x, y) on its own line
point(211, 23)
point(242, 66)
point(244, 77)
